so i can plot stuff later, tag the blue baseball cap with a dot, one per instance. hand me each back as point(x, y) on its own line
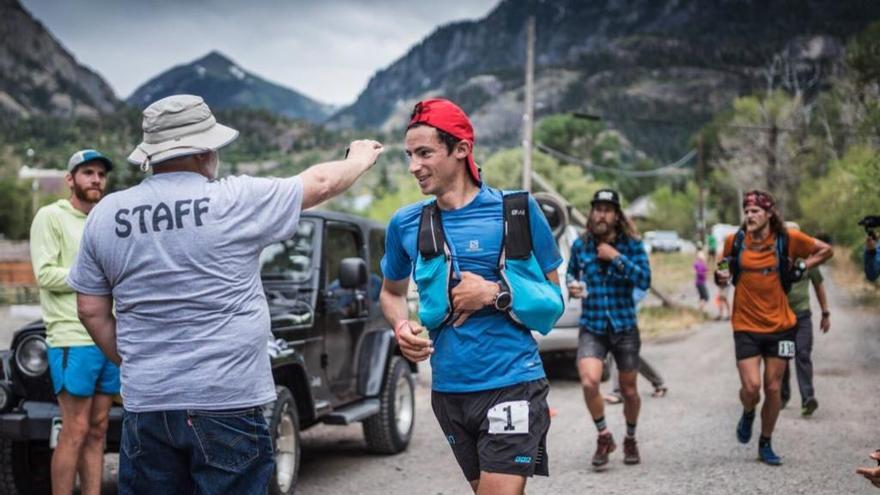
point(83, 156)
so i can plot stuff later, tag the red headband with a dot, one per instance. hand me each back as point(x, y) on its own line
point(449, 118)
point(758, 199)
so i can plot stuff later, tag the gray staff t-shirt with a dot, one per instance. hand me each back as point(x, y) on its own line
point(180, 255)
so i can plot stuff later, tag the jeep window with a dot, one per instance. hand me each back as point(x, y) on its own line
point(290, 260)
point(377, 251)
point(340, 242)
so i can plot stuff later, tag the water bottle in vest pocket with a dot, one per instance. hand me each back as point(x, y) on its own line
point(432, 279)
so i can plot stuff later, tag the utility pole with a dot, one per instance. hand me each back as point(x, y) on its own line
point(529, 115)
point(701, 198)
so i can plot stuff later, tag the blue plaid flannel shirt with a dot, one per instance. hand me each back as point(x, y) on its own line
point(609, 303)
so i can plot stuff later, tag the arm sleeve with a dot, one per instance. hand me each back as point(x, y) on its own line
point(45, 245)
point(86, 275)
point(872, 264)
point(543, 243)
point(635, 266)
point(396, 264)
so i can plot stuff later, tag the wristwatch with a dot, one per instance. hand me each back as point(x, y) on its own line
point(503, 299)
point(826, 314)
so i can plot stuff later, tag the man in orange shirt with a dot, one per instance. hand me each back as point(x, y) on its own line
point(759, 262)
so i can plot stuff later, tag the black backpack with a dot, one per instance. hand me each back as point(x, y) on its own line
point(783, 265)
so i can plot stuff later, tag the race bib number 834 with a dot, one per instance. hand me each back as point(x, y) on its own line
point(509, 418)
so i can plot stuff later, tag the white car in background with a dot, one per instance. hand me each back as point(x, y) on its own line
point(665, 241)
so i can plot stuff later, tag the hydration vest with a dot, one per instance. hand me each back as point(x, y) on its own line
point(537, 302)
point(783, 263)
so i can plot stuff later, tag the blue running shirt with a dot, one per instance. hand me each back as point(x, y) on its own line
point(489, 351)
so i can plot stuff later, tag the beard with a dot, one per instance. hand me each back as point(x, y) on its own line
point(600, 229)
point(87, 195)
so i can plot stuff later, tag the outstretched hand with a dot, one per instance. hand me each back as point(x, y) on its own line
point(871, 474)
point(364, 151)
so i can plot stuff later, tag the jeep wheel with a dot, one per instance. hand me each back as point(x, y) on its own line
point(283, 422)
point(25, 468)
point(390, 431)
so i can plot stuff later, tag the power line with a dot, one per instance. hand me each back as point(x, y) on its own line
point(845, 128)
point(665, 170)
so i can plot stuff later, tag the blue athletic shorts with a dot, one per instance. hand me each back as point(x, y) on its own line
point(82, 371)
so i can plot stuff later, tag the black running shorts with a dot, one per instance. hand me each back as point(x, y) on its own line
point(497, 431)
point(777, 344)
point(624, 346)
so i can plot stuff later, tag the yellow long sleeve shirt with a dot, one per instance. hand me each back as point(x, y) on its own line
point(55, 236)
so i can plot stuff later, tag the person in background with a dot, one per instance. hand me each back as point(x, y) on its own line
point(764, 326)
point(712, 244)
point(84, 380)
point(700, 279)
point(872, 259)
point(611, 261)
point(799, 300)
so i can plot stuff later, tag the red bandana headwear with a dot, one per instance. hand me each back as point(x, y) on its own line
point(758, 198)
point(449, 118)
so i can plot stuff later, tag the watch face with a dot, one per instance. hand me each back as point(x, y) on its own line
point(503, 301)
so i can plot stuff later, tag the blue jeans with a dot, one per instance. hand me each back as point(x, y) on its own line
point(194, 451)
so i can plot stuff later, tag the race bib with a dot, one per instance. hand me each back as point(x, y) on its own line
point(786, 348)
point(509, 418)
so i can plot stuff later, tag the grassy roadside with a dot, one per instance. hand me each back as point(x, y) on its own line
point(846, 273)
point(673, 275)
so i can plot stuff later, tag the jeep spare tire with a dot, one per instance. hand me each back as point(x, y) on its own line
point(390, 430)
point(283, 421)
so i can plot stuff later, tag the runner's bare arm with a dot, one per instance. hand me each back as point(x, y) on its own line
point(821, 253)
point(394, 307)
point(326, 180)
point(825, 323)
point(96, 314)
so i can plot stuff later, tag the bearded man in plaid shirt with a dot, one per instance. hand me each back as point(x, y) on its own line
point(606, 264)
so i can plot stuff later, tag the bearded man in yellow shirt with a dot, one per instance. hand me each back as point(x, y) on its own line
point(84, 380)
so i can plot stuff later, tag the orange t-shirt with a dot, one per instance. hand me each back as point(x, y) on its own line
point(759, 303)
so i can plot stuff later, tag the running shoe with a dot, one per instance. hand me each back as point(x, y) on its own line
point(767, 456)
point(630, 450)
point(744, 428)
point(810, 406)
point(604, 446)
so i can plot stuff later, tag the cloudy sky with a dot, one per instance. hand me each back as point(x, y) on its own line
point(325, 49)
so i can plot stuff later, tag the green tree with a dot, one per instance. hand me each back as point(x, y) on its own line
point(504, 170)
point(15, 209)
point(834, 203)
point(674, 210)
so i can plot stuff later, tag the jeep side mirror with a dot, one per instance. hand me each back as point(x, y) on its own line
point(352, 273)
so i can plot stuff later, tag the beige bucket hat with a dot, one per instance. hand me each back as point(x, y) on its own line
point(176, 126)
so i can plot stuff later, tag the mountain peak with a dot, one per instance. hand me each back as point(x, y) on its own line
point(214, 58)
point(225, 84)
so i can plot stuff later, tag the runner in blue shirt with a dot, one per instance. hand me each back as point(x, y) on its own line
point(489, 388)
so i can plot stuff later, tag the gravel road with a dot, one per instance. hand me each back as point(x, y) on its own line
point(687, 439)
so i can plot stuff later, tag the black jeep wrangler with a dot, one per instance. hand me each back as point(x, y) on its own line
point(334, 358)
